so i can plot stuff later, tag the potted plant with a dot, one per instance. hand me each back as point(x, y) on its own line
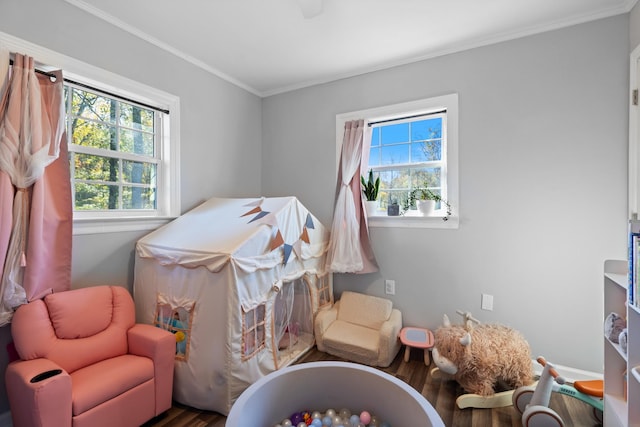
point(425, 201)
point(370, 189)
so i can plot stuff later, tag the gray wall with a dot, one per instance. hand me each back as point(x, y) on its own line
point(543, 160)
point(220, 125)
point(543, 182)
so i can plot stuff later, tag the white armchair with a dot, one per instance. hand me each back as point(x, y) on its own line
point(361, 328)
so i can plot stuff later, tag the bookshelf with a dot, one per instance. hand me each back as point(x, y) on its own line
point(618, 387)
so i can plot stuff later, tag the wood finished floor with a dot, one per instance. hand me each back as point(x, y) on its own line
point(441, 394)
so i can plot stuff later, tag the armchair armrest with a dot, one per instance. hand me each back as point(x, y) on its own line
point(324, 318)
point(39, 392)
point(389, 338)
point(160, 346)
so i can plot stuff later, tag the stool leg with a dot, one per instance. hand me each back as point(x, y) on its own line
point(407, 353)
point(427, 357)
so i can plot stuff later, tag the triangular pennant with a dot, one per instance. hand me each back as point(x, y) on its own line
point(260, 215)
point(287, 252)
point(252, 211)
point(305, 235)
point(270, 220)
point(277, 241)
point(309, 222)
point(255, 202)
point(297, 248)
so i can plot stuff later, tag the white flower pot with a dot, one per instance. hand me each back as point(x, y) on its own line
point(371, 207)
point(426, 207)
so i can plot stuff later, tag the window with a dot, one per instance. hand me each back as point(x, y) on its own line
point(413, 145)
point(253, 331)
point(114, 153)
point(407, 154)
point(144, 188)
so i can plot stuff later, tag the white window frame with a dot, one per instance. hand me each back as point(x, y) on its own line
point(168, 185)
point(447, 102)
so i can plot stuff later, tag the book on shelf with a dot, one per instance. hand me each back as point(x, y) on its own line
point(634, 262)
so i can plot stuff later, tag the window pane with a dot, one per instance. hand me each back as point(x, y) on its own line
point(395, 154)
point(139, 172)
point(91, 106)
point(426, 129)
point(375, 137)
point(133, 141)
point(136, 117)
point(426, 177)
point(92, 134)
point(95, 168)
point(138, 198)
point(426, 151)
point(374, 157)
point(392, 134)
point(94, 196)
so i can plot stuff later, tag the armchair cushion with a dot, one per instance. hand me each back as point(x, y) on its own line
point(361, 328)
point(108, 370)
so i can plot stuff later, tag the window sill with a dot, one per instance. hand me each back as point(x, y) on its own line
point(413, 220)
point(117, 225)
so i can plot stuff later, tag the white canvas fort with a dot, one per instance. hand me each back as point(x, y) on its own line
point(238, 281)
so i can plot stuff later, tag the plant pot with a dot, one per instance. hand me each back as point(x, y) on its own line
point(426, 207)
point(371, 206)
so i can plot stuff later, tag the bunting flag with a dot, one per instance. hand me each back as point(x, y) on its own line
point(309, 222)
point(260, 215)
point(257, 202)
point(252, 211)
point(297, 248)
point(277, 241)
point(305, 235)
point(263, 217)
point(287, 252)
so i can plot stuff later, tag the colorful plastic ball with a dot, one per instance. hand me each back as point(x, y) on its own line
point(354, 420)
point(295, 418)
point(316, 414)
point(302, 424)
point(365, 417)
point(345, 413)
point(287, 423)
point(327, 421)
point(316, 422)
point(330, 413)
point(337, 420)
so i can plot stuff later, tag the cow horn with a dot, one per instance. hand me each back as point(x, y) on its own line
point(446, 321)
point(466, 339)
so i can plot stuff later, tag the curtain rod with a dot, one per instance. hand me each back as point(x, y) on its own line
point(103, 92)
point(406, 117)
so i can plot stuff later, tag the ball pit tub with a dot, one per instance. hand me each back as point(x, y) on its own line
point(323, 385)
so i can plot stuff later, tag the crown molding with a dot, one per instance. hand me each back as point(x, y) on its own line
point(624, 7)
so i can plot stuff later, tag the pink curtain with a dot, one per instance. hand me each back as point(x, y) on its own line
point(350, 249)
point(35, 205)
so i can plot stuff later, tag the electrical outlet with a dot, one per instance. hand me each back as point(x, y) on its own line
point(487, 302)
point(390, 287)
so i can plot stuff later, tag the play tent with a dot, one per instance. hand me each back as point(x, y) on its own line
point(238, 281)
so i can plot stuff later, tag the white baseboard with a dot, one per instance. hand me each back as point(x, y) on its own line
point(5, 419)
point(570, 374)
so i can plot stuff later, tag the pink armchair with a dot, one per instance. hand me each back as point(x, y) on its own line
point(84, 362)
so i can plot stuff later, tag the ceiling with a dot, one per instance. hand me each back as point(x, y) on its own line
point(269, 47)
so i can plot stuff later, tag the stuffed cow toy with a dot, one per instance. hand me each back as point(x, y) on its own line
point(480, 357)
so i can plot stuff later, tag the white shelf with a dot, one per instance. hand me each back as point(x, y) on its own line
point(617, 411)
point(617, 348)
point(615, 408)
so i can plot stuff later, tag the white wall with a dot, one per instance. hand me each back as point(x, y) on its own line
point(543, 182)
point(220, 128)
